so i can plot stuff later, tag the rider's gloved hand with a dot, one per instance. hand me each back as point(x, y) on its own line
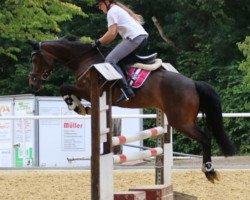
point(96, 43)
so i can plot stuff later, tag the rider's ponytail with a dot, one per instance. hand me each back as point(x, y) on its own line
point(137, 17)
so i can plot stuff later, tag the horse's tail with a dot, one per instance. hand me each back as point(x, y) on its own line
point(210, 104)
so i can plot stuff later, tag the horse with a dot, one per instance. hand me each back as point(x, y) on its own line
point(179, 97)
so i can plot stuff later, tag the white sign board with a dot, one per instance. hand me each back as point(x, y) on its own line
point(6, 138)
point(24, 131)
point(60, 139)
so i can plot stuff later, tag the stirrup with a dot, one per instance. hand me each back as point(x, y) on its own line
point(123, 97)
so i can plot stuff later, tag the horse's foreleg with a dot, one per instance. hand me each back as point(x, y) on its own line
point(74, 103)
point(71, 95)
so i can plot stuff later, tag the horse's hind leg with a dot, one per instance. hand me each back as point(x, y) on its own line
point(69, 94)
point(207, 166)
point(205, 140)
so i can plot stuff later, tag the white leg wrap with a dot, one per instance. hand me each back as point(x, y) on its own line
point(70, 102)
point(75, 100)
point(207, 167)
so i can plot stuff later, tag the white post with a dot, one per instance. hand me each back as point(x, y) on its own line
point(168, 155)
point(106, 161)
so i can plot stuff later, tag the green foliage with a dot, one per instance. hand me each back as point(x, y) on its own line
point(211, 37)
point(206, 32)
point(245, 64)
point(21, 20)
point(26, 19)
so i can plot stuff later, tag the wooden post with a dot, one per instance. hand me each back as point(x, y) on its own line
point(102, 77)
point(116, 130)
point(95, 129)
point(159, 160)
point(163, 163)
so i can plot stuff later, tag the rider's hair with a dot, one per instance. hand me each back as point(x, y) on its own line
point(137, 17)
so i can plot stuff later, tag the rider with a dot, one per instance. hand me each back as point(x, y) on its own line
point(124, 21)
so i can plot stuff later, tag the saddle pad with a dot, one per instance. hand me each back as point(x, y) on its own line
point(136, 77)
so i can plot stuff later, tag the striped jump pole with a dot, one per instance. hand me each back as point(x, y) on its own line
point(153, 132)
point(137, 156)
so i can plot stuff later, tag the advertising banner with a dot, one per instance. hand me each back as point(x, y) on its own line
point(6, 129)
point(24, 133)
point(60, 139)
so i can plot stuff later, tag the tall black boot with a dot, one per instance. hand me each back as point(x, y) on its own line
point(127, 91)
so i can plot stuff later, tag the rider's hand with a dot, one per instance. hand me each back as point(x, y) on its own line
point(96, 43)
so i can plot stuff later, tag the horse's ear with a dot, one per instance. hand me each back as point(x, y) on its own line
point(33, 44)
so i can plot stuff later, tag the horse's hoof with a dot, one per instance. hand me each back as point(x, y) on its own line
point(88, 110)
point(210, 173)
point(212, 176)
point(80, 110)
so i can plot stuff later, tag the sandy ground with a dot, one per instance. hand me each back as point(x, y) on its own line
point(75, 184)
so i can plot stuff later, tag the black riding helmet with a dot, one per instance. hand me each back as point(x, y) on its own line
point(107, 5)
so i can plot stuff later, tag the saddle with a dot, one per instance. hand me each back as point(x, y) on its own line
point(150, 59)
point(138, 68)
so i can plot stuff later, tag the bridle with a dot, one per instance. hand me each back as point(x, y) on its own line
point(46, 72)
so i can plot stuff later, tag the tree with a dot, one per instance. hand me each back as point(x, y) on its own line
point(206, 33)
point(21, 20)
point(245, 64)
point(27, 19)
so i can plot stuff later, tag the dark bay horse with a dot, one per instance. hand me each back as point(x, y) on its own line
point(179, 97)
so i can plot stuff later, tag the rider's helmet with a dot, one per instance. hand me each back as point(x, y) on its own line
point(104, 1)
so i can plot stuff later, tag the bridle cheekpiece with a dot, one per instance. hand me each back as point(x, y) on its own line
point(46, 73)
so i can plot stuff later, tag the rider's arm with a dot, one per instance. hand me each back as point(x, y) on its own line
point(110, 35)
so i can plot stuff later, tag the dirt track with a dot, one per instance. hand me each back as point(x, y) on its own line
point(75, 184)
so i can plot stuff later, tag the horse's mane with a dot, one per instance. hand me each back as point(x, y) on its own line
point(71, 38)
point(75, 40)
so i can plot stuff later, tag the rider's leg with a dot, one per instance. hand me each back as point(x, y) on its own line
point(127, 91)
point(126, 47)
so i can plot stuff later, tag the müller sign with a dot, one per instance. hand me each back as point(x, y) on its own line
point(72, 125)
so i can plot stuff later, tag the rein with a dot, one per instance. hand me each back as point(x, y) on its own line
point(100, 53)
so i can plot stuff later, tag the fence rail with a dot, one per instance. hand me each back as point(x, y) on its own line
point(146, 116)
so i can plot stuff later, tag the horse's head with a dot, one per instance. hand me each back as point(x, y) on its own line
point(68, 51)
point(42, 66)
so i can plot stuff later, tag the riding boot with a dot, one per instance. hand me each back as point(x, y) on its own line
point(127, 91)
